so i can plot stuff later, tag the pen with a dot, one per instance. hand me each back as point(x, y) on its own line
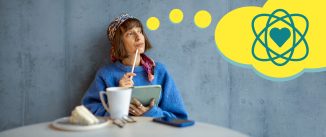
point(133, 66)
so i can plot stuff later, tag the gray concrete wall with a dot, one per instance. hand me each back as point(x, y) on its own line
point(51, 49)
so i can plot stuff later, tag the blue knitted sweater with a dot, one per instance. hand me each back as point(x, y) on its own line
point(170, 103)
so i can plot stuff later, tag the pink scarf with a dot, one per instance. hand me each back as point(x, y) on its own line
point(145, 61)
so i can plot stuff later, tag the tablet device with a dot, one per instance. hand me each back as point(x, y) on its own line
point(145, 93)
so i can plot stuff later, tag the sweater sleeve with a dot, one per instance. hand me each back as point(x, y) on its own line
point(91, 99)
point(171, 103)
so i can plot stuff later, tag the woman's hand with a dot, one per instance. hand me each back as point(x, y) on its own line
point(126, 81)
point(137, 109)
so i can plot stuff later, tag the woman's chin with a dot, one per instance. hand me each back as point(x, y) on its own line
point(141, 50)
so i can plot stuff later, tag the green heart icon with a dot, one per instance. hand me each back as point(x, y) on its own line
point(280, 36)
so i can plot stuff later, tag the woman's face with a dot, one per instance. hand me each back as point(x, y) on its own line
point(134, 39)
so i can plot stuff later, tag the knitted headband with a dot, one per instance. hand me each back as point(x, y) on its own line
point(114, 25)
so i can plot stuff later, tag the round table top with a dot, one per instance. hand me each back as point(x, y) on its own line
point(144, 127)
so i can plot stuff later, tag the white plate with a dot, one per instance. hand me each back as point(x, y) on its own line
point(64, 124)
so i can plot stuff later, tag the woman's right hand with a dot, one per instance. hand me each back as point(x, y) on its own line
point(126, 80)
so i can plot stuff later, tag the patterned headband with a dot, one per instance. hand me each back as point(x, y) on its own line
point(114, 25)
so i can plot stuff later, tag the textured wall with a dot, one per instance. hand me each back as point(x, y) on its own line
point(50, 51)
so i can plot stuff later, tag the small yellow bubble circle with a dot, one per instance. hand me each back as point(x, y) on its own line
point(202, 19)
point(153, 23)
point(176, 15)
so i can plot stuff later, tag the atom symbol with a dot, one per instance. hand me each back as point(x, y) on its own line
point(280, 36)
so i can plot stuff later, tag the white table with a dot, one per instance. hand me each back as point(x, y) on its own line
point(144, 127)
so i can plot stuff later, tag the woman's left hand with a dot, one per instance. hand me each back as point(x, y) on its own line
point(137, 109)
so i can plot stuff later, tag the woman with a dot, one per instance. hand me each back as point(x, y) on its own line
point(126, 35)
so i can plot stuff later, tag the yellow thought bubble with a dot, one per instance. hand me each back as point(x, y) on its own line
point(176, 16)
point(202, 19)
point(153, 23)
point(280, 40)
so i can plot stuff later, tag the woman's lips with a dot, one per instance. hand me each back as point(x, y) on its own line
point(140, 45)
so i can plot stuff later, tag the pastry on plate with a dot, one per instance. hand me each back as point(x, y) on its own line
point(82, 116)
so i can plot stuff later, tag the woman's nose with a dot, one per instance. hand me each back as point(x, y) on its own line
point(137, 36)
